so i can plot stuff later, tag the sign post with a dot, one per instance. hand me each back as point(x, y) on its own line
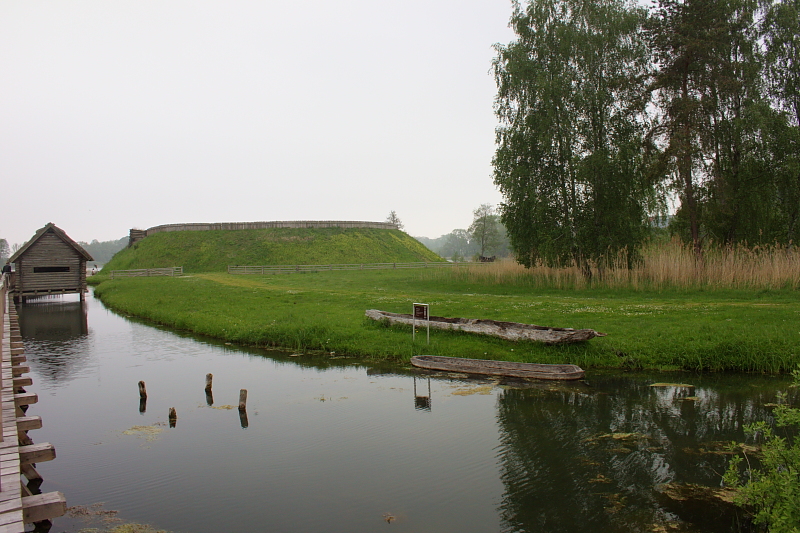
point(420, 313)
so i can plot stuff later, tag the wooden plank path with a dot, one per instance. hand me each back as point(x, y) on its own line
point(20, 500)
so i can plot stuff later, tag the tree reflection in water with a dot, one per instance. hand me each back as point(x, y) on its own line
point(597, 458)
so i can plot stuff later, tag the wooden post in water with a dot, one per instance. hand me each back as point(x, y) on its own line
point(209, 394)
point(243, 408)
point(142, 398)
point(173, 417)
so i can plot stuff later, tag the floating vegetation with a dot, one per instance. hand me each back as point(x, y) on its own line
point(600, 478)
point(690, 491)
point(621, 449)
point(589, 462)
point(678, 385)
point(93, 512)
point(624, 437)
point(622, 442)
point(225, 407)
point(389, 517)
point(481, 389)
point(148, 433)
point(722, 448)
point(616, 502)
point(665, 528)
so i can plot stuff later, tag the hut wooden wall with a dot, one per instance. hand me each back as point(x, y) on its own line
point(50, 251)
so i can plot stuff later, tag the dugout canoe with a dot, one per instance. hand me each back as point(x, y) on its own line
point(512, 331)
point(497, 368)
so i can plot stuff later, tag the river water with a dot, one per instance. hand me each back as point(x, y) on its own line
point(333, 444)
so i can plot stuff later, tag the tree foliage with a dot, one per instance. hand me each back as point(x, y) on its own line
point(569, 160)
point(603, 125)
point(5, 251)
point(772, 490)
point(486, 231)
point(456, 245)
point(102, 252)
point(394, 219)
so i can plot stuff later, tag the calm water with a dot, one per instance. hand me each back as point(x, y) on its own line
point(331, 445)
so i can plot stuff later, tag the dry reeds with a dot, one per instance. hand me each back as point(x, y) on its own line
point(665, 265)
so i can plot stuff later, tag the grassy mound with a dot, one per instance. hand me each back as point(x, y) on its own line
point(213, 251)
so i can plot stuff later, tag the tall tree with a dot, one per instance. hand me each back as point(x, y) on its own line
point(394, 219)
point(485, 231)
point(569, 159)
point(781, 36)
point(739, 196)
point(724, 91)
point(5, 251)
point(456, 245)
point(685, 37)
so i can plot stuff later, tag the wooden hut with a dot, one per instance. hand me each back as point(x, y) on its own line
point(49, 263)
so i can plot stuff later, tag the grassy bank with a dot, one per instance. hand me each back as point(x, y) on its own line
point(752, 330)
point(213, 251)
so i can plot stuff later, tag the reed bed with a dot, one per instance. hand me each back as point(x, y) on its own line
point(662, 266)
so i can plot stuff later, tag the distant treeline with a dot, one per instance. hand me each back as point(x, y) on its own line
point(105, 250)
point(486, 236)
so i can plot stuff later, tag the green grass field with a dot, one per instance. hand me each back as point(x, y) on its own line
point(690, 329)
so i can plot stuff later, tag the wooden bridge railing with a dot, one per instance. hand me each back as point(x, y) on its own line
point(294, 269)
point(145, 272)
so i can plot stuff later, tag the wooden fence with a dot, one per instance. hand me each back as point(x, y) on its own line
point(171, 271)
point(295, 269)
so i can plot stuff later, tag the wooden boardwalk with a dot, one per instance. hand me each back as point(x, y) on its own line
point(21, 502)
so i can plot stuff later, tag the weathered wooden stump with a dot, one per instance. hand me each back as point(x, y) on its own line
point(173, 417)
point(242, 399)
point(209, 394)
point(142, 391)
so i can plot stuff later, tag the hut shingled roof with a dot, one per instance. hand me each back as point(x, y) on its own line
point(60, 234)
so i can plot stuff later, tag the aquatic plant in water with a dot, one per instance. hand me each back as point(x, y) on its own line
point(771, 489)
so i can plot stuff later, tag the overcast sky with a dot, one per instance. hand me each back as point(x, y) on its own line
point(135, 113)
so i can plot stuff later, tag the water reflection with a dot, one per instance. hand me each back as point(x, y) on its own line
point(332, 445)
point(421, 401)
point(62, 333)
point(594, 460)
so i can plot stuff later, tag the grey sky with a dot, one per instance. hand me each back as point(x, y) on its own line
point(134, 113)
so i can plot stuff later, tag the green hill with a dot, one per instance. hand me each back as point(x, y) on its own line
point(213, 251)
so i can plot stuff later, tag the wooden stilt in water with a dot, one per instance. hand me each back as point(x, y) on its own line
point(173, 417)
point(243, 408)
point(142, 397)
point(209, 394)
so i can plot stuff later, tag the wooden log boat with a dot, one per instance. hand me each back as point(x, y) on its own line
point(512, 331)
point(497, 368)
